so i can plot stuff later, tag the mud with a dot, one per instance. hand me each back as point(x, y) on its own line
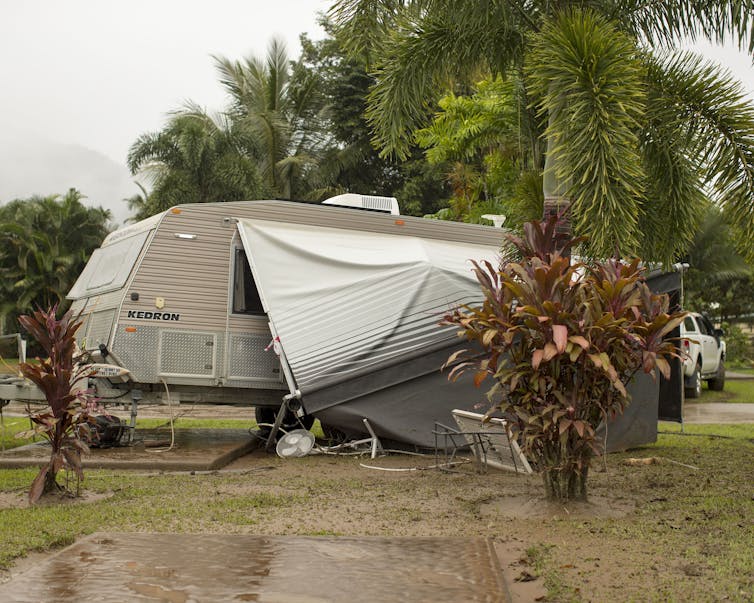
point(180, 568)
point(189, 450)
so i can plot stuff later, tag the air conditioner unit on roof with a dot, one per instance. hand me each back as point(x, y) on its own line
point(370, 202)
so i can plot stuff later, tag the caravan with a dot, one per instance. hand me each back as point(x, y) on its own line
point(334, 307)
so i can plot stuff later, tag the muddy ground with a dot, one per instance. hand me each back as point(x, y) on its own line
point(679, 528)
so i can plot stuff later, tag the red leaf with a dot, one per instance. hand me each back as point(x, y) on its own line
point(550, 351)
point(479, 376)
point(580, 341)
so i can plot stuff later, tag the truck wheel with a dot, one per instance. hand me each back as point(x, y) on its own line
point(717, 383)
point(267, 414)
point(695, 383)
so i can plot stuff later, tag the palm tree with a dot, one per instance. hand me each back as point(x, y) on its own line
point(278, 109)
point(634, 133)
point(196, 158)
point(716, 271)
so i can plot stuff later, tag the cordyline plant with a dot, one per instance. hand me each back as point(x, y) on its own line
point(64, 423)
point(562, 340)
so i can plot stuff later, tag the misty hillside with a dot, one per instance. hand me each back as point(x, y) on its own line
point(47, 168)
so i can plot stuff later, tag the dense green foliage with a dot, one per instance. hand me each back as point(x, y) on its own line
point(480, 138)
point(44, 244)
point(290, 130)
point(739, 351)
point(635, 135)
point(349, 162)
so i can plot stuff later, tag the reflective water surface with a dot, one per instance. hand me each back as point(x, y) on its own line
point(183, 568)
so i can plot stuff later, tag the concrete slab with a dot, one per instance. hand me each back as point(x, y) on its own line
point(193, 450)
point(179, 568)
point(718, 412)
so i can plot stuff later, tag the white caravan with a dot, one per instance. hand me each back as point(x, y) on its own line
point(249, 301)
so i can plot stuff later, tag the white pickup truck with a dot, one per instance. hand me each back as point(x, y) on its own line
point(703, 350)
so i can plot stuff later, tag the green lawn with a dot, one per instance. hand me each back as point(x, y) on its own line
point(736, 390)
point(13, 425)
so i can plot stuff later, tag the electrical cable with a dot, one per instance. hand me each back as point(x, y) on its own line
point(172, 425)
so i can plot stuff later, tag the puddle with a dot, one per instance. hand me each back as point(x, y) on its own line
point(185, 568)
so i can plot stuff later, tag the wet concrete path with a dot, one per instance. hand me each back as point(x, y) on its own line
point(718, 412)
point(189, 450)
point(183, 568)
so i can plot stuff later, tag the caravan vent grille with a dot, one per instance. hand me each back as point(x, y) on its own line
point(379, 203)
point(369, 202)
point(249, 360)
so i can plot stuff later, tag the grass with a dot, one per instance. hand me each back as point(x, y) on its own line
point(736, 390)
point(9, 428)
point(13, 425)
point(9, 366)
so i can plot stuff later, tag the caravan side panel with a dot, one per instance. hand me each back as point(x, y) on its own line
point(176, 322)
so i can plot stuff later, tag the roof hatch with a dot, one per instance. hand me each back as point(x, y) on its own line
point(370, 202)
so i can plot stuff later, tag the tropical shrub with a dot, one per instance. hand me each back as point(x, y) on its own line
point(561, 340)
point(738, 347)
point(64, 423)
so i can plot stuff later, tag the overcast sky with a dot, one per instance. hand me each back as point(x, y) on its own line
point(99, 73)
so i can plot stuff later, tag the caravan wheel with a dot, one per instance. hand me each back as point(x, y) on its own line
point(333, 435)
point(267, 414)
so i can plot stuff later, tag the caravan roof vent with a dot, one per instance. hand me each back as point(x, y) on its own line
point(370, 202)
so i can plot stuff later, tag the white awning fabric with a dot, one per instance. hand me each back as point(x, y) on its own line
point(345, 303)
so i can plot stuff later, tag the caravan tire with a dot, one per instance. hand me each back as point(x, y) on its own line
point(267, 414)
point(333, 435)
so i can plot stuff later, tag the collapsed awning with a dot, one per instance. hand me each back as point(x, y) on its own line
point(347, 303)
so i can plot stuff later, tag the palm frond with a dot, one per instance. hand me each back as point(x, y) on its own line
point(715, 124)
point(668, 22)
point(591, 84)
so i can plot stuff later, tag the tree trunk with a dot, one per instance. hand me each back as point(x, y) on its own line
point(564, 471)
point(568, 484)
point(555, 189)
point(51, 483)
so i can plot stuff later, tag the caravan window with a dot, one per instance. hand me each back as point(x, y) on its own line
point(109, 267)
point(245, 295)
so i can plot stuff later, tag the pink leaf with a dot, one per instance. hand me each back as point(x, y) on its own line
point(580, 341)
point(560, 337)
